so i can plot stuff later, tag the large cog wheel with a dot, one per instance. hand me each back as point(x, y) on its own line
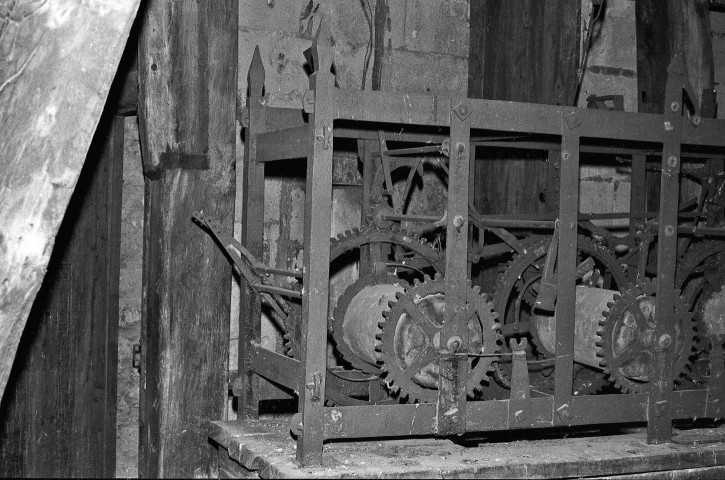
point(516, 292)
point(411, 331)
point(407, 251)
point(700, 276)
point(627, 341)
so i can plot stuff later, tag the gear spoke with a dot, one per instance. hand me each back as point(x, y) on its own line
point(422, 320)
point(427, 355)
point(638, 314)
point(632, 351)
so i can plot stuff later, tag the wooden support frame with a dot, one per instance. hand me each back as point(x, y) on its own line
point(316, 423)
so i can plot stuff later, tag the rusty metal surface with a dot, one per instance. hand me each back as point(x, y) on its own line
point(417, 336)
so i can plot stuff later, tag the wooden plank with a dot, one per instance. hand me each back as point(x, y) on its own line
point(276, 367)
point(289, 143)
point(58, 418)
point(56, 73)
point(186, 283)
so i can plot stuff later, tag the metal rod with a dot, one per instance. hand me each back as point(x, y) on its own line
point(278, 290)
point(280, 271)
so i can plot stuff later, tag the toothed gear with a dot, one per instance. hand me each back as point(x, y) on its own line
point(524, 270)
point(699, 275)
point(626, 337)
point(519, 284)
point(417, 318)
point(417, 254)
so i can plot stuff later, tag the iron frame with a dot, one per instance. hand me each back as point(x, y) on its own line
point(275, 133)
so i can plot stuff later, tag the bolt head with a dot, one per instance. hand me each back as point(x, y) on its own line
point(458, 221)
point(454, 343)
point(665, 341)
point(696, 120)
point(669, 230)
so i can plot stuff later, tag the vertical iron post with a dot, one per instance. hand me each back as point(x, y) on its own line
point(454, 338)
point(566, 264)
point(318, 207)
point(250, 317)
point(659, 419)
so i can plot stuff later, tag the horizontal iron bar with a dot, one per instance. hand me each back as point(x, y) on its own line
point(418, 109)
point(539, 145)
point(284, 144)
point(364, 134)
point(278, 290)
point(418, 419)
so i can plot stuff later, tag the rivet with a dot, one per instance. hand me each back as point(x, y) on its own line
point(669, 230)
point(696, 120)
point(460, 147)
point(463, 110)
point(672, 161)
point(675, 106)
point(564, 155)
point(665, 341)
point(458, 221)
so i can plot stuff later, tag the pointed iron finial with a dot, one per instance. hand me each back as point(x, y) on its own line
point(323, 46)
point(255, 76)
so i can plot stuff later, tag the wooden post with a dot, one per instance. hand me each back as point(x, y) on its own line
point(664, 29)
point(56, 73)
point(187, 96)
point(538, 65)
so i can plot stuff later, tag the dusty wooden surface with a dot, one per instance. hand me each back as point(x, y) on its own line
point(187, 64)
point(538, 65)
point(266, 448)
point(59, 58)
point(58, 417)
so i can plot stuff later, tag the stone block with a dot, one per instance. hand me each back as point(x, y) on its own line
point(425, 73)
point(279, 16)
point(434, 26)
point(614, 42)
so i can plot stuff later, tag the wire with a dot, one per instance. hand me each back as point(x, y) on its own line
point(368, 11)
point(585, 56)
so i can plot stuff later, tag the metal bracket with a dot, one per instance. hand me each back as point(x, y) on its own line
point(714, 407)
point(462, 111)
point(546, 299)
point(520, 401)
point(315, 385)
point(308, 101)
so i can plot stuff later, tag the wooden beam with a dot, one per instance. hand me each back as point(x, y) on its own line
point(56, 72)
point(187, 64)
point(58, 417)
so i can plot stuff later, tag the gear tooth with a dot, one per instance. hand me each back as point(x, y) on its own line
point(605, 314)
point(416, 282)
point(477, 290)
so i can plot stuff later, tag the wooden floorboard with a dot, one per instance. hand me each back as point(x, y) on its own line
point(266, 448)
